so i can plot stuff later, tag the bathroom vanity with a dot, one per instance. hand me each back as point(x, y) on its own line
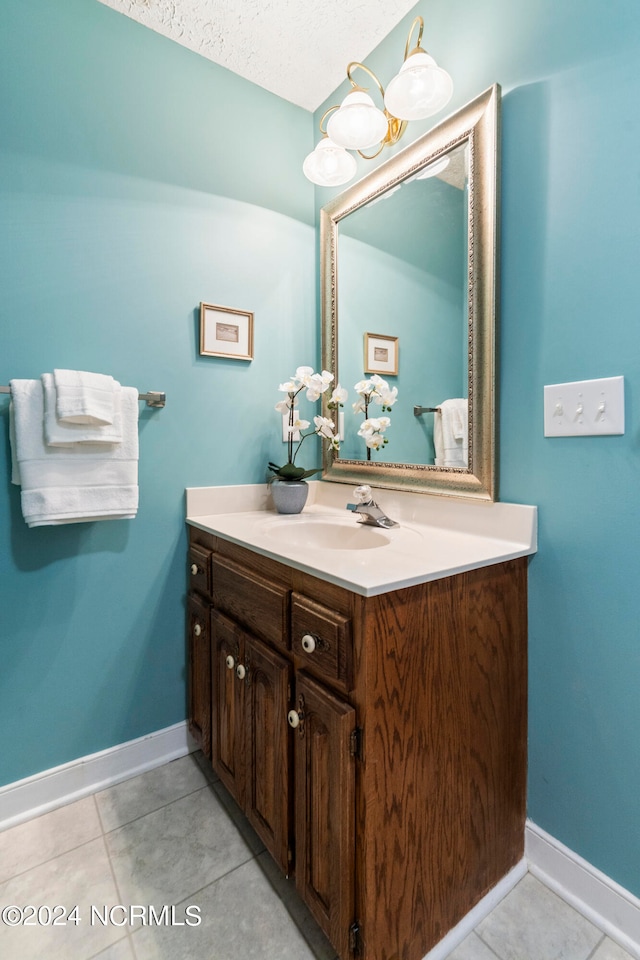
point(364, 702)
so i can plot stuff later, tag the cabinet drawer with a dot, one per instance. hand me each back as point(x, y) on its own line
point(321, 638)
point(199, 569)
point(259, 605)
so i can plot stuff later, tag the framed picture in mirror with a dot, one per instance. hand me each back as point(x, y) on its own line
point(380, 354)
point(225, 332)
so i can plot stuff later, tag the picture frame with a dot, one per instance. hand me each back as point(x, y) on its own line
point(226, 332)
point(381, 354)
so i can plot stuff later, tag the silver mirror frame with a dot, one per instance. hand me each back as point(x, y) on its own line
point(478, 123)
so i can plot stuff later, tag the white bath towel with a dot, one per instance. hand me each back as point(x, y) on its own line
point(451, 434)
point(73, 484)
point(60, 433)
point(83, 397)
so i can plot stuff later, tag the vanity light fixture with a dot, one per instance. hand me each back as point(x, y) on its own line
point(420, 89)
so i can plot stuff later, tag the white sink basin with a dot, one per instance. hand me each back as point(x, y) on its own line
point(436, 536)
point(321, 533)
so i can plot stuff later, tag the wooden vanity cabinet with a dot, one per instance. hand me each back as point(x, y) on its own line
point(395, 793)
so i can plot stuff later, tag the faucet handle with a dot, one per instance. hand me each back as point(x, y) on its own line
point(362, 494)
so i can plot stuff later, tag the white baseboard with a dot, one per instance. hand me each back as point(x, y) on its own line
point(58, 786)
point(595, 895)
point(479, 912)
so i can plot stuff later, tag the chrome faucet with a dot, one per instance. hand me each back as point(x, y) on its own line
point(368, 509)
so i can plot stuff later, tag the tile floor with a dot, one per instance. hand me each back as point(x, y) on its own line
point(171, 837)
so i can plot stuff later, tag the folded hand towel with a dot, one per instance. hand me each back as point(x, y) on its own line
point(61, 433)
point(83, 397)
point(450, 434)
point(89, 481)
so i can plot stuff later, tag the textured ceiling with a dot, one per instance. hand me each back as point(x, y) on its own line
point(297, 49)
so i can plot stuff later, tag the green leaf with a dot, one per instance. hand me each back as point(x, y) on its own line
point(289, 471)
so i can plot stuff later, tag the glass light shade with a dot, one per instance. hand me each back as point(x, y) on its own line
point(419, 90)
point(329, 165)
point(433, 169)
point(358, 124)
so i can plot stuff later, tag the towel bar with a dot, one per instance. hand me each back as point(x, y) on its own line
point(418, 411)
point(153, 398)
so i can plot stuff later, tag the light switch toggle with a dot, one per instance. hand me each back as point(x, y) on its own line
point(584, 408)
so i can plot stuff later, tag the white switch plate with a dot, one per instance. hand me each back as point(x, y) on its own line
point(586, 408)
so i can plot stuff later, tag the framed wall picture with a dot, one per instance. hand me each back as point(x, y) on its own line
point(225, 332)
point(380, 354)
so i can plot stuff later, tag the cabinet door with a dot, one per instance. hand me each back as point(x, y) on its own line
point(325, 809)
point(199, 673)
point(268, 748)
point(227, 712)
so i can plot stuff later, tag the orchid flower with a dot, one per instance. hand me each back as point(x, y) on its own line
point(371, 431)
point(315, 384)
point(337, 398)
point(374, 390)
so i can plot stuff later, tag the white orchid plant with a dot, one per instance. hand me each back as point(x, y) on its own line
point(315, 384)
point(374, 391)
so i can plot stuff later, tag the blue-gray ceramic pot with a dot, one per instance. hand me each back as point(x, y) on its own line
point(289, 496)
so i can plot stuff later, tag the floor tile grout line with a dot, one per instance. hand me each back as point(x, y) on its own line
point(97, 806)
point(103, 832)
point(113, 875)
point(487, 945)
point(61, 853)
point(597, 947)
point(190, 896)
point(162, 806)
point(96, 956)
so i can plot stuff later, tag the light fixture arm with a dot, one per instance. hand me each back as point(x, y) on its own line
point(417, 48)
point(323, 129)
point(361, 66)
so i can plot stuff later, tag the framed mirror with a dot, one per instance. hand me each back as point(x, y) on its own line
point(409, 296)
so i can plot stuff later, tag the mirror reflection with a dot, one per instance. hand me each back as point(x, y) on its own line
point(403, 308)
point(408, 300)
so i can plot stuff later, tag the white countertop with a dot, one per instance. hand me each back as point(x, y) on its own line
point(436, 536)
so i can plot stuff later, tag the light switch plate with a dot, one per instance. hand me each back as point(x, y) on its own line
point(585, 408)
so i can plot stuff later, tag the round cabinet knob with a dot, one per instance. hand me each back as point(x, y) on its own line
point(293, 718)
point(308, 643)
point(194, 569)
point(230, 662)
point(240, 672)
point(197, 630)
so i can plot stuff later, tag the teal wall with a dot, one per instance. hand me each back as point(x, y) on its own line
point(569, 266)
point(393, 280)
point(386, 295)
point(127, 199)
point(130, 190)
